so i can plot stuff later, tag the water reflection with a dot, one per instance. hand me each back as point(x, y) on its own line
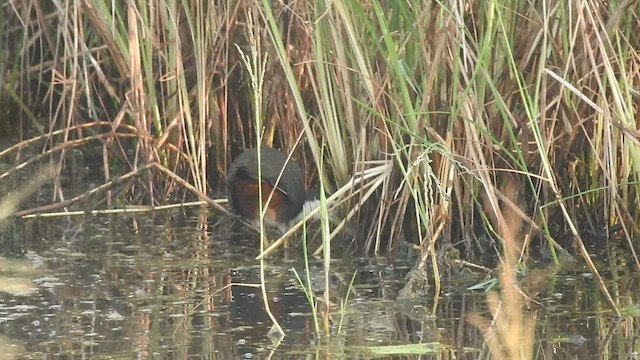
point(177, 285)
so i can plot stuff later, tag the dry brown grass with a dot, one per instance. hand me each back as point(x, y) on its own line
point(452, 99)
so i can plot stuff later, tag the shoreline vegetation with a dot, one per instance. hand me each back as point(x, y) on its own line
point(508, 127)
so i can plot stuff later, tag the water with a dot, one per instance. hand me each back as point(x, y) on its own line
point(178, 285)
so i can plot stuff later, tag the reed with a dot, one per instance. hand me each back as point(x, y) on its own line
point(420, 112)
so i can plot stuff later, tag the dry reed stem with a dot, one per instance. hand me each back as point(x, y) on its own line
point(477, 79)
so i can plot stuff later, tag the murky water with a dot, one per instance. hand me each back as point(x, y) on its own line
point(177, 285)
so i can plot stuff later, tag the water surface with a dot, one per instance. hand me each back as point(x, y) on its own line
point(178, 285)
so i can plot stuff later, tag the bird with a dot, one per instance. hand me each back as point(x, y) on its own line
point(290, 201)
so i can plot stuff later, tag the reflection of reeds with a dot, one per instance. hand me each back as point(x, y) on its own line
point(14, 273)
point(16, 286)
point(10, 349)
point(509, 334)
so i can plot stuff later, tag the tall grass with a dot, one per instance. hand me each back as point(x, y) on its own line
point(425, 110)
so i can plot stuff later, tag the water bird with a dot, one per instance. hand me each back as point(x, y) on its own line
point(290, 201)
